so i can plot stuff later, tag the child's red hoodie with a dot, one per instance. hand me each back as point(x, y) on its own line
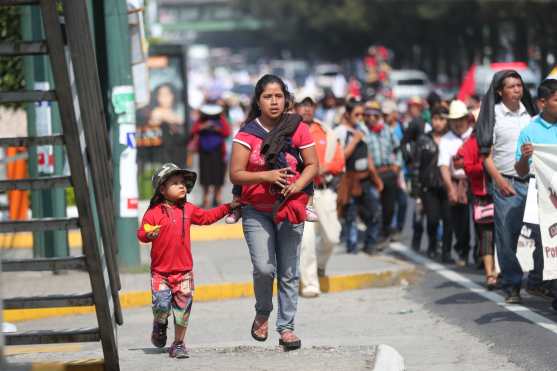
point(171, 250)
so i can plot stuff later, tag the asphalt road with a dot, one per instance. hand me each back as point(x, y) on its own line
point(441, 321)
point(523, 342)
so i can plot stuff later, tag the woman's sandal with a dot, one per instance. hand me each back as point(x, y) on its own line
point(260, 328)
point(289, 340)
point(491, 282)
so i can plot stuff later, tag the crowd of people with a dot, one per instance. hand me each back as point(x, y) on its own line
point(311, 173)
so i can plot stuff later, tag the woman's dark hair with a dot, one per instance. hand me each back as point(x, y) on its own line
point(351, 104)
point(547, 88)
point(433, 100)
point(157, 198)
point(155, 95)
point(439, 111)
point(254, 110)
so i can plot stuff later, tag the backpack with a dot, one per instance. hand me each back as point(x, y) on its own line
point(358, 159)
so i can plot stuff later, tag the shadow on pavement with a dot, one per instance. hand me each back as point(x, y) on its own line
point(502, 316)
point(462, 298)
point(150, 350)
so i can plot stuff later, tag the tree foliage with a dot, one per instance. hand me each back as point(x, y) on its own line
point(11, 69)
point(436, 35)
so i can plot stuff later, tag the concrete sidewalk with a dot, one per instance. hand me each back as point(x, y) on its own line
point(222, 271)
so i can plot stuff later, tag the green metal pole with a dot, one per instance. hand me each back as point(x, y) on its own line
point(113, 47)
point(43, 119)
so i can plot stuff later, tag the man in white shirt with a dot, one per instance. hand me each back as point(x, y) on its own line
point(506, 109)
point(455, 179)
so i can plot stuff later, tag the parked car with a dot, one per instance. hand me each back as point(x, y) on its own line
point(406, 84)
point(329, 76)
point(478, 77)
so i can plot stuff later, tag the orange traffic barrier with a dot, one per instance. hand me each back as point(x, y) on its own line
point(18, 201)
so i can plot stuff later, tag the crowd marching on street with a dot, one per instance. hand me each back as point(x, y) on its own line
point(311, 173)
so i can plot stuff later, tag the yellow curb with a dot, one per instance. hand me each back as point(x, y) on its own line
point(217, 232)
point(32, 349)
point(216, 292)
point(80, 365)
point(24, 240)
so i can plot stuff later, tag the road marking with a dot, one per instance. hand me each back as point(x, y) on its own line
point(465, 282)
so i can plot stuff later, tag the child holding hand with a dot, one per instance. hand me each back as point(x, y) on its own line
point(166, 224)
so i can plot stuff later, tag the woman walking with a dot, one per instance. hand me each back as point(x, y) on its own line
point(212, 128)
point(274, 159)
point(360, 187)
point(431, 191)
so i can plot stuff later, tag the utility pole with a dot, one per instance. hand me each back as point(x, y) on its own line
point(113, 54)
point(43, 118)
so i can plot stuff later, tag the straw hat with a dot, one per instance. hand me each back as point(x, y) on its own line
point(457, 110)
point(389, 107)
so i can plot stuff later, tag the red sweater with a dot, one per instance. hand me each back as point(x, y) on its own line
point(171, 250)
point(473, 166)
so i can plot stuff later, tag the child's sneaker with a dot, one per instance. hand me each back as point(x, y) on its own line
point(158, 337)
point(233, 217)
point(311, 215)
point(178, 350)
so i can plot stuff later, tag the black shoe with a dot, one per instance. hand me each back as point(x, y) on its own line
point(382, 244)
point(396, 236)
point(446, 259)
point(432, 254)
point(370, 251)
point(416, 245)
point(158, 336)
point(513, 297)
point(540, 291)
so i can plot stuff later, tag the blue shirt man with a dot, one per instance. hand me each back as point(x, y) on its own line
point(541, 130)
point(538, 131)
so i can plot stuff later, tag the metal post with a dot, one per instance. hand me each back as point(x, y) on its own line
point(42, 118)
point(113, 50)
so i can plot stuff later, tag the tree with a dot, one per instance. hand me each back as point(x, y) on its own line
point(11, 69)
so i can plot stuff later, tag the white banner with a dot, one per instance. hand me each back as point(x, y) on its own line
point(128, 172)
point(545, 170)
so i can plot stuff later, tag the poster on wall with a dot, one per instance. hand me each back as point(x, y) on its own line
point(123, 101)
point(161, 128)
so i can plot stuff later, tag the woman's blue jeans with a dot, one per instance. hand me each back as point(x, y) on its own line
point(275, 252)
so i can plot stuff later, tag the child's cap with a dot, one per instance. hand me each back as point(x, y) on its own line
point(169, 169)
